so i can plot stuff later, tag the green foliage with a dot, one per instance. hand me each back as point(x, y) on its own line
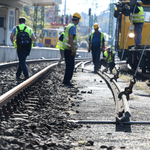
point(84, 44)
point(82, 38)
point(27, 10)
point(28, 13)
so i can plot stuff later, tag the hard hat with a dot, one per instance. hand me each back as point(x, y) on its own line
point(109, 47)
point(96, 26)
point(77, 15)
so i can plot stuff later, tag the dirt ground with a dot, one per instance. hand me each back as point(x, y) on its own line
point(97, 104)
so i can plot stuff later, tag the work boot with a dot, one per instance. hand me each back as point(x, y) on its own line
point(26, 78)
point(18, 78)
point(68, 83)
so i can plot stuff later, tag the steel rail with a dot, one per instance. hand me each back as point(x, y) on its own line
point(108, 122)
point(83, 64)
point(77, 66)
point(27, 61)
point(35, 60)
point(123, 113)
point(16, 90)
point(122, 107)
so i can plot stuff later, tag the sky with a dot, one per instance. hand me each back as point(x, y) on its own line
point(79, 6)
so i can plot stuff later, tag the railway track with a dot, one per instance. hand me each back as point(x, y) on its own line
point(122, 108)
point(41, 109)
point(122, 112)
point(35, 112)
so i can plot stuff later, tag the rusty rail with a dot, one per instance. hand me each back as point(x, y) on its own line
point(19, 88)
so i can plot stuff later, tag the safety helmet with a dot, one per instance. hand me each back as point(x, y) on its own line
point(77, 15)
point(96, 26)
point(108, 47)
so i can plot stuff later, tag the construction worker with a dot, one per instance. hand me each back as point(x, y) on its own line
point(59, 46)
point(23, 44)
point(96, 45)
point(108, 60)
point(70, 46)
point(138, 21)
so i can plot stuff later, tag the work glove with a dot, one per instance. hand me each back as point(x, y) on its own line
point(89, 49)
point(103, 49)
point(73, 51)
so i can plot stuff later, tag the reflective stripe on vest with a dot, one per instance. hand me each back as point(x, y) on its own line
point(106, 55)
point(21, 27)
point(66, 44)
point(101, 39)
point(138, 17)
point(60, 43)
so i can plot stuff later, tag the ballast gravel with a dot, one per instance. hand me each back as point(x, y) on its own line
point(42, 122)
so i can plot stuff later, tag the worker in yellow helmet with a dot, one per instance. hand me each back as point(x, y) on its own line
point(70, 46)
point(96, 45)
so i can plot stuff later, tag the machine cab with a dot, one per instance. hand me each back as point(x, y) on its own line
point(50, 36)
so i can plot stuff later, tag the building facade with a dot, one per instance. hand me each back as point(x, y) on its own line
point(9, 14)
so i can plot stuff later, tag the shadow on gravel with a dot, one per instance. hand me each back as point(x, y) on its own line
point(123, 128)
point(148, 84)
point(131, 73)
point(143, 95)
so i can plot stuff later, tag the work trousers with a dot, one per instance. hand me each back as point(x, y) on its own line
point(22, 65)
point(69, 60)
point(138, 33)
point(96, 57)
point(110, 65)
point(61, 55)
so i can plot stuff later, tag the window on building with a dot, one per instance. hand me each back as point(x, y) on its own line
point(1, 22)
point(11, 22)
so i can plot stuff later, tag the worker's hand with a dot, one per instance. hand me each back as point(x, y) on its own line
point(89, 49)
point(73, 51)
point(105, 59)
point(103, 49)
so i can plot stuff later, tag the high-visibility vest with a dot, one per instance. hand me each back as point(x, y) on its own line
point(106, 55)
point(66, 44)
point(138, 17)
point(60, 43)
point(28, 30)
point(101, 39)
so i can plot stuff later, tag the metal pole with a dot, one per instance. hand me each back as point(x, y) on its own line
point(65, 12)
point(107, 122)
point(142, 55)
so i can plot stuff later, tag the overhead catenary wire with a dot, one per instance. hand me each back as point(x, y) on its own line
point(141, 55)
